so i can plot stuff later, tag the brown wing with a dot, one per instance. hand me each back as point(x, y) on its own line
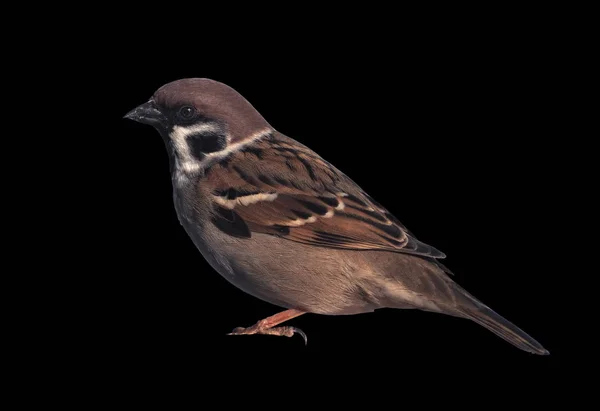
point(280, 187)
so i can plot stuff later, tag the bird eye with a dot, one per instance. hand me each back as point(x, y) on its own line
point(187, 112)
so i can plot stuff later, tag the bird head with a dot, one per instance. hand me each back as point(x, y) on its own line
point(199, 117)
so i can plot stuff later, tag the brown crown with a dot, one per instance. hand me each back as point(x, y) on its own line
point(216, 101)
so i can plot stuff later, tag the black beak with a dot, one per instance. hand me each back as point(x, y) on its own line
point(147, 113)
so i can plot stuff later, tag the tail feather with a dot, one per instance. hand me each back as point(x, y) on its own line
point(503, 328)
point(425, 286)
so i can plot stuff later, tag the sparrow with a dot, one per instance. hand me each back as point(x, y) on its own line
point(284, 225)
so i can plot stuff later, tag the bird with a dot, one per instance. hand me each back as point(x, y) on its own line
point(284, 225)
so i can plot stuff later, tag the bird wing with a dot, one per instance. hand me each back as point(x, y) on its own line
point(282, 188)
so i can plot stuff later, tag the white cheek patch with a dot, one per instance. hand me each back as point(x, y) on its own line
point(187, 163)
point(179, 135)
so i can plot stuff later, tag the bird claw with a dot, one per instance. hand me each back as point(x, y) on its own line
point(278, 331)
point(302, 334)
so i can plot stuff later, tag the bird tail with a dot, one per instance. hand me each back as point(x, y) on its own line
point(488, 318)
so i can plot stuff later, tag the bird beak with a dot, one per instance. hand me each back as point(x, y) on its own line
point(147, 113)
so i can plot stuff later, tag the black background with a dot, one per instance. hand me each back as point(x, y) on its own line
point(454, 128)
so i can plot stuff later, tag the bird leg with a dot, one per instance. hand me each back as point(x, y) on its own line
point(267, 326)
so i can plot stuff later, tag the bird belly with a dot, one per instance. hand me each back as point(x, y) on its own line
point(279, 271)
point(311, 279)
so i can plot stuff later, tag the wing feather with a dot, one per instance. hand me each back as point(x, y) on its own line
point(289, 191)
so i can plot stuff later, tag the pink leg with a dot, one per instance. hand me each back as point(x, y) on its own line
point(267, 326)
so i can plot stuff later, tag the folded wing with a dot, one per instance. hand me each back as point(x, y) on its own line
point(282, 188)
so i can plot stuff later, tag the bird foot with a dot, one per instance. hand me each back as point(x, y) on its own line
point(280, 331)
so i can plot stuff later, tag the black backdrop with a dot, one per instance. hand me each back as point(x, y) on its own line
point(451, 133)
